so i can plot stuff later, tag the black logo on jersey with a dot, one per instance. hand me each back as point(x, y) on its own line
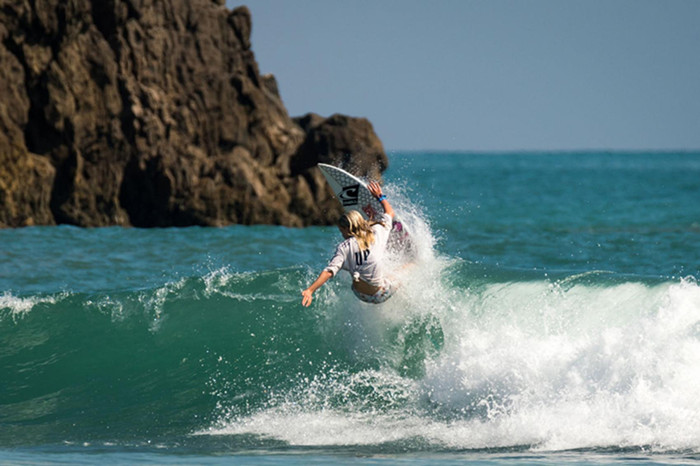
point(361, 257)
point(350, 195)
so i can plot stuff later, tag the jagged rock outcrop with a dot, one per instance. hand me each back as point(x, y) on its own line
point(349, 143)
point(154, 113)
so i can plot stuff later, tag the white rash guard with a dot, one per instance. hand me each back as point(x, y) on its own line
point(365, 265)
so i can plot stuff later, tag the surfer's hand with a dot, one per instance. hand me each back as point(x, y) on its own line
point(374, 188)
point(307, 297)
point(308, 293)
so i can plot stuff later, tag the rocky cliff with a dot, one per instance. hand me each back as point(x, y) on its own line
point(154, 113)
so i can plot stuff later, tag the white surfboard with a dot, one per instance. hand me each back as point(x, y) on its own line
point(353, 194)
point(351, 191)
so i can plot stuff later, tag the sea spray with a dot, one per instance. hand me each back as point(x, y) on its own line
point(624, 377)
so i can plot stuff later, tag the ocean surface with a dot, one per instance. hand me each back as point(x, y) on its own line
point(551, 316)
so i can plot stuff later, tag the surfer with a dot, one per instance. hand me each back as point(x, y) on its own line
point(361, 254)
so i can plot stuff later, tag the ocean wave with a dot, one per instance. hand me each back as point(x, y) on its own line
point(462, 357)
point(552, 365)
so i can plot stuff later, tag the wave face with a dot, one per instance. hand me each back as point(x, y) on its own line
point(567, 364)
point(581, 361)
point(195, 340)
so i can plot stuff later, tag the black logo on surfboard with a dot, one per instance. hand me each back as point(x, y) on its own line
point(350, 195)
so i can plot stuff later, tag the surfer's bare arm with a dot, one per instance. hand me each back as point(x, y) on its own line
point(376, 191)
point(307, 294)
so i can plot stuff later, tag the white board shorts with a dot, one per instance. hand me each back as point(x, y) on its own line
point(384, 293)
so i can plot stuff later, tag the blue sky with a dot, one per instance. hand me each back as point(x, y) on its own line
point(495, 75)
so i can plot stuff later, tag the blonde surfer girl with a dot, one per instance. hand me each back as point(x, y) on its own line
point(361, 254)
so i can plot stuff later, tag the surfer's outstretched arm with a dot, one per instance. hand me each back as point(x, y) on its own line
point(376, 191)
point(308, 293)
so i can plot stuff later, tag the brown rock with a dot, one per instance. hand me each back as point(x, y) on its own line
point(135, 112)
point(349, 143)
point(25, 189)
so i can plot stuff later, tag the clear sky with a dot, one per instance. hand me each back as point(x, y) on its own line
point(491, 75)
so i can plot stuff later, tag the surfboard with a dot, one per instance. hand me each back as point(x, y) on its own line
point(353, 194)
point(351, 191)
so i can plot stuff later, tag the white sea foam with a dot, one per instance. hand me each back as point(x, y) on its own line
point(237, 285)
point(591, 366)
point(523, 364)
point(16, 307)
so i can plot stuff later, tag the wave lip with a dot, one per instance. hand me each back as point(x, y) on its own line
point(15, 307)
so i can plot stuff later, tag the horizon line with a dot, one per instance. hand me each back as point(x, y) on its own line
point(545, 151)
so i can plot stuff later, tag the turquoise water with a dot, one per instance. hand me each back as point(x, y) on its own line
point(552, 316)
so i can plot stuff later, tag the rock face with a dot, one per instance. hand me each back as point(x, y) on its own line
point(154, 113)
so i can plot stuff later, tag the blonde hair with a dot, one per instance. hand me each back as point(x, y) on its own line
point(358, 227)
